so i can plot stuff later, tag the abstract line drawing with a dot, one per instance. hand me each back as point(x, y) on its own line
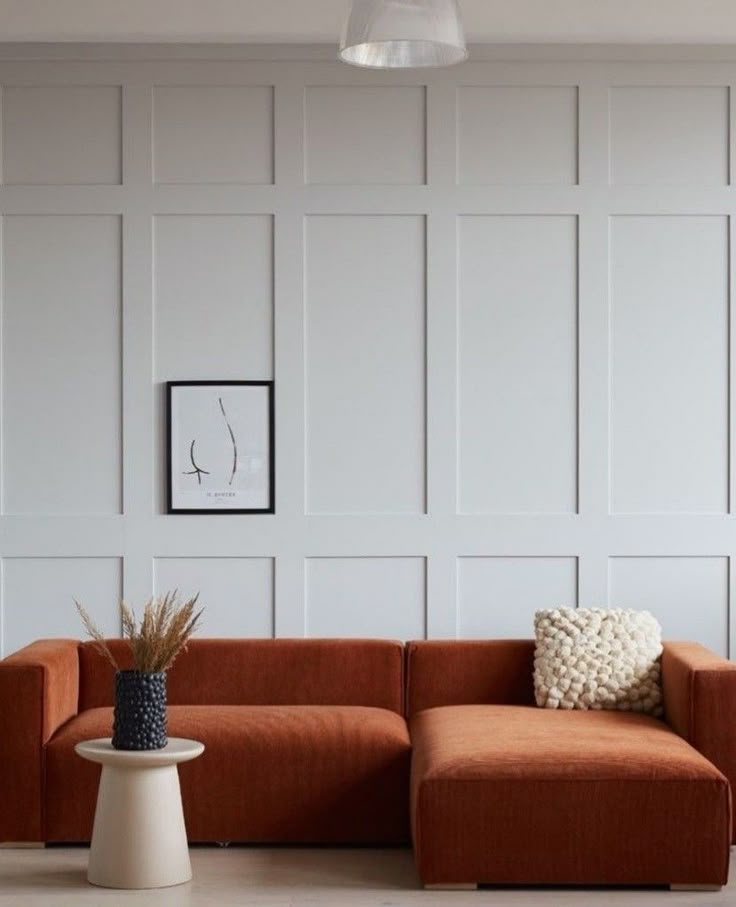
point(232, 438)
point(198, 471)
point(220, 456)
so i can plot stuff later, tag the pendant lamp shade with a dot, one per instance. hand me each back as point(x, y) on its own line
point(403, 34)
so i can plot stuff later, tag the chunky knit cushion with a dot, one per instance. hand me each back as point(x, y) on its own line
point(596, 658)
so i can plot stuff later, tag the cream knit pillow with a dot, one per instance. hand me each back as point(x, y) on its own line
point(596, 658)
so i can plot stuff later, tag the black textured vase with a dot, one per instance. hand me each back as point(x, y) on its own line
point(140, 711)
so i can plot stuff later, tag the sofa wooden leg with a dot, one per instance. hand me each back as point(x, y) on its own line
point(684, 886)
point(22, 845)
point(459, 886)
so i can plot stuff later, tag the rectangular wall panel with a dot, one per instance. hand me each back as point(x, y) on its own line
point(62, 134)
point(236, 592)
point(213, 134)
point(517, 364)
point(61, 347)
point(687, 595)
point(497, 596)
point(366, 597)
point(365, 134)
point(213, 304)
point(667, 134)
point(518, 134)
point(365, 364)
point(213, 280)
point(669, 364)
point(39, 593)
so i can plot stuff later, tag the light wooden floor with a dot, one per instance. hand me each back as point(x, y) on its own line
point(269, 877)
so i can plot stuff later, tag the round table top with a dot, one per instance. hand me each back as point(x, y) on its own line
point(176, 750)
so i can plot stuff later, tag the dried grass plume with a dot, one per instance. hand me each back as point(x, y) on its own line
point(155, 641)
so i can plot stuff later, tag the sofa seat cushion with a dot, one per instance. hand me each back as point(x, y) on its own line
point(514, 794)
point(307, 774)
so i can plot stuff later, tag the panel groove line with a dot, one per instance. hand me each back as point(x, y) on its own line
point(470, 422)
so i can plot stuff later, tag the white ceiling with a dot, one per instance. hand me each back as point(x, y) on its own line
point(277, 21)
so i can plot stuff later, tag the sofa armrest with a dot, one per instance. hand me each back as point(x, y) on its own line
point(39, 691)
point(699, 689)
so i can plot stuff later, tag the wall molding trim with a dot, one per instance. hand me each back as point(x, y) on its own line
point(709, 53)
point(497, 303)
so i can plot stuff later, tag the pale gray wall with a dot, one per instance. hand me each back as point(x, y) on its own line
point(495, 301)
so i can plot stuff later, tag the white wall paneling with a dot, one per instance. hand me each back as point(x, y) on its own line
point(213, 302)
point(365, 358)
point(497, 596)
point(669, 364)
point(213, 134)
point(62, 134)
point(366, 596)
point(236, 591)
point(518, 134)
point(213, 310)
point(368, 134)
point(517, 432)
point(39, 594)
point(674, 589)
point(662, 135)
point(496, 302)
point(61, 364)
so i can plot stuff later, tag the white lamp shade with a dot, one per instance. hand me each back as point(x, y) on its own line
point(403, 34)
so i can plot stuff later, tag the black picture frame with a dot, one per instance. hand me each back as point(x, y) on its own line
point(271, 506)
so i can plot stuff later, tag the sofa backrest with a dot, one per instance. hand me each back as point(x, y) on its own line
point(366, 672)
point(469, 672)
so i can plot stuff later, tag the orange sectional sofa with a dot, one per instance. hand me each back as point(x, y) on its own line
point(374, 742)
point(504, 792)
point(305, 740)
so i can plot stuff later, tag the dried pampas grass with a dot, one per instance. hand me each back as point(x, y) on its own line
point(155, 641)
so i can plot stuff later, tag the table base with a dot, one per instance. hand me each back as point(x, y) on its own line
point(139, 839)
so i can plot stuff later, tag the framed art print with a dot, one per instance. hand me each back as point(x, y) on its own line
point(220, 446)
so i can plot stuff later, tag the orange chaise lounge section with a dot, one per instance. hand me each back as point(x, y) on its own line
point(305, 740)
point(504, 792)
point(374, 742)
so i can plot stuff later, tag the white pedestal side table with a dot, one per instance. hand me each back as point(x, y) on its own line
point(139, 839)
